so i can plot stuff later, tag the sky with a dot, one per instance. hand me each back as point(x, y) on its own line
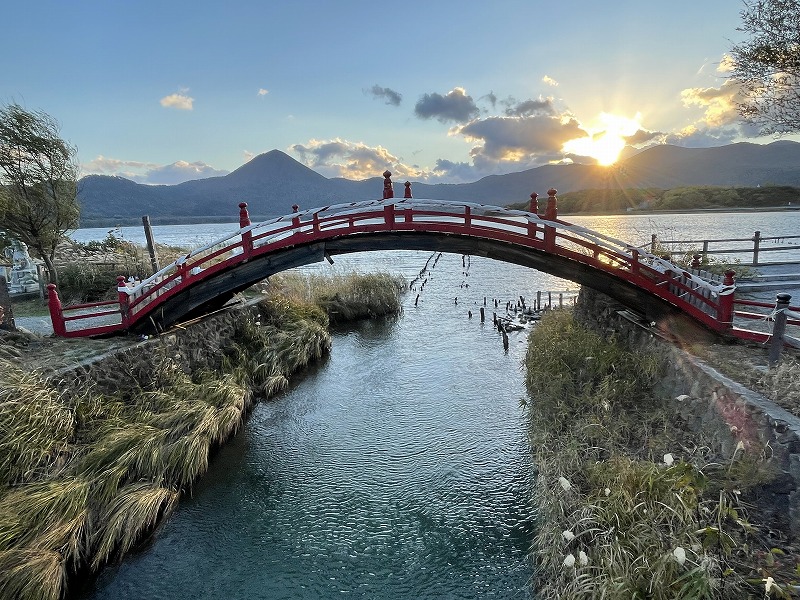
point(440, 91)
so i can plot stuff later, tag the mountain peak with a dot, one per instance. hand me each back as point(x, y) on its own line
point(271, 166)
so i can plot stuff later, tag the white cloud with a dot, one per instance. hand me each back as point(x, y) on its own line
point(719, 103)
point(549, 81)
point(262, 92)
point(179, 101)
point(354, 160)
point(151, 173)
point(726, 64)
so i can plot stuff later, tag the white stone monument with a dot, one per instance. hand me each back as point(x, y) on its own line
point(23, 278)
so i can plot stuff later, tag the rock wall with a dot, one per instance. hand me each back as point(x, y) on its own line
point(201, 345)
point(721, 413)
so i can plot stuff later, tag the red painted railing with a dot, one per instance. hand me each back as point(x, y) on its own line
point(709, 302)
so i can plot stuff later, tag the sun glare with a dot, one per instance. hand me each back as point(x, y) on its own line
point(606, 139)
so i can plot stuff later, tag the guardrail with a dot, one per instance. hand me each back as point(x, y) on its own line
point(788, 244)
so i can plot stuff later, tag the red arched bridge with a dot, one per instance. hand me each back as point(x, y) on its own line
point(208, 277)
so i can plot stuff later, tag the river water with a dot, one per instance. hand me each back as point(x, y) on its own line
point(398, 467)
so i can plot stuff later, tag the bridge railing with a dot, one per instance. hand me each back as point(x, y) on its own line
point(707, 300)
point(787, 245)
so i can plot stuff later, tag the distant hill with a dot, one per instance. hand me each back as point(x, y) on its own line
point(272, 182)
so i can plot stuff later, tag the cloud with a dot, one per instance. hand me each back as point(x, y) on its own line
point(353, 160)
point(389, 95)
point(726, 64)
point(719, 103)
point(262, 92)
point(181, 171)
point(642, 136)
point(151, 173)
point(549, 81)
point(531, 108)
point(454, 106)
point(720, 122)
point(178, 100)
point(521, 139)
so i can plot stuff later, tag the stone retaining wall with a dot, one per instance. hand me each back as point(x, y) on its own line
point(190, 348)
point(716, 410)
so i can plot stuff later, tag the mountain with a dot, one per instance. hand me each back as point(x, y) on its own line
point(272, 182)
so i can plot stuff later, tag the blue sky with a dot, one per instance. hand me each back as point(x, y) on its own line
point(435, 90)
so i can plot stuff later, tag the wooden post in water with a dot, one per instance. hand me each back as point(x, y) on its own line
point(776, 343)
point(483, 315)
point(756, 247)
point(151, 245)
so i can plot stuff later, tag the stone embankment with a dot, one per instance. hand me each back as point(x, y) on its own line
point(717, 411)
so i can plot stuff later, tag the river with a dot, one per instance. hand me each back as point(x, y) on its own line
point(397, 468)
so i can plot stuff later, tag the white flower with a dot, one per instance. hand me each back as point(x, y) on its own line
point(569, 560)
point(679, 554)
point(668, 459)
point(583, 560)
point(607, 492)
point(769, 582)
point(568, 535)
point(566, 485)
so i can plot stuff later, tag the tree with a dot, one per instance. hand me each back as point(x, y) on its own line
point(767, 66)
point(38, 182)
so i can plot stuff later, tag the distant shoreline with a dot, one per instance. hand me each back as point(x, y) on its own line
point(212, 219)
point(686, 211)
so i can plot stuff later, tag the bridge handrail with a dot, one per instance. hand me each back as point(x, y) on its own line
point(699, 295)
point(352, 213)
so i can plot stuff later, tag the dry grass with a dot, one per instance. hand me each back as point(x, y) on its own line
point(622, 513)
point(83, 477)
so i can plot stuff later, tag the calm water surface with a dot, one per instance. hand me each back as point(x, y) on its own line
point(399, 466)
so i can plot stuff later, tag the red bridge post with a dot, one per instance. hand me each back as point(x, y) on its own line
point(407, 193)
point(56, 314)
point(123, 300)
point(551, 214)
point(247, 236)
point(296, 220)
point(725, 309)
point(388, 191)
point(533, 208)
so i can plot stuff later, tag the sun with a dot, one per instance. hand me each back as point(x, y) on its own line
point(606, 140)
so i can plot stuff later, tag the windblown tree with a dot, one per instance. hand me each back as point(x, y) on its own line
point(38, 182)
point(767, 65)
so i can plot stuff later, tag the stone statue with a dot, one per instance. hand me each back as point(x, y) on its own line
point(24, 276)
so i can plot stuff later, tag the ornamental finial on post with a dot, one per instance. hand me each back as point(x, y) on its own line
point(534, 207)
point(244, 216)
point(551, 213)
point(388, 192)
point(407, 193)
